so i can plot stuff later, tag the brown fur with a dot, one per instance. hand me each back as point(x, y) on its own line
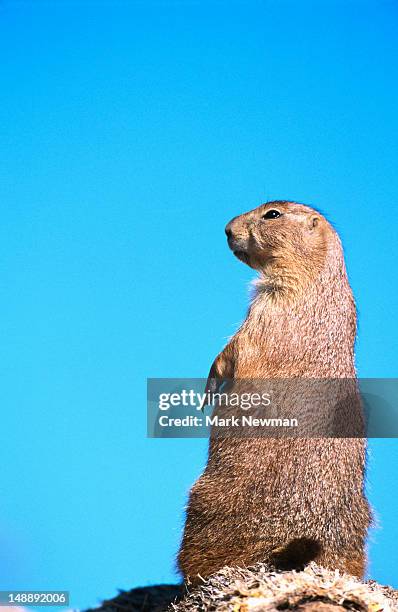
point(284, 501)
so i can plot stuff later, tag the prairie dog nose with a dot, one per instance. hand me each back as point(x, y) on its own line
point(228, 229)
point(228, 232)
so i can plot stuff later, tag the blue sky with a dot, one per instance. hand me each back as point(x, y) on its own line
point(131, 132)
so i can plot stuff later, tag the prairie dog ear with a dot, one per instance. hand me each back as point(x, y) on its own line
point(313, 221)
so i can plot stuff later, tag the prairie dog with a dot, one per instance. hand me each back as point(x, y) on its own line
point(285, 501)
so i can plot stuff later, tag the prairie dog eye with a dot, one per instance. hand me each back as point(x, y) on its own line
point(272, 214)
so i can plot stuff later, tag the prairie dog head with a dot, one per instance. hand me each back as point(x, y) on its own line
point(280, 234)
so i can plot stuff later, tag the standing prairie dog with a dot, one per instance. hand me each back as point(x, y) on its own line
point(285, 501)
